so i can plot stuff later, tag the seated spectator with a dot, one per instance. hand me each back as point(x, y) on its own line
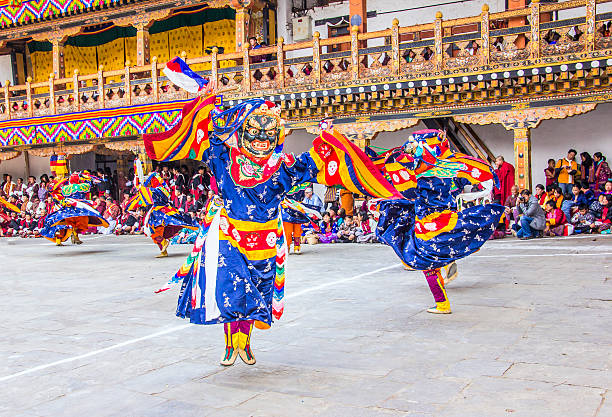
point(577, 199)
point(555, 220)
point(589, 195)
point(27, 226)
point(603, 223)
point(607, 188)
point(347, 230)
point(341, 216)
point(533, 217)
point(329, 230)
point(24, 203)
point(511, 202)
point(112, 215)
point(99, 205)
point(540, 194)
point(366, 228)
point(132, 225)
point(557, 197)
point(311, 198)
point(582, 219)
point(12, 226)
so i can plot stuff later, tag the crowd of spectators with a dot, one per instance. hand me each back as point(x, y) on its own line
point(109, 197)
point(576, 198)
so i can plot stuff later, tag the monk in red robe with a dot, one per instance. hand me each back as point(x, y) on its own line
point(505, 173)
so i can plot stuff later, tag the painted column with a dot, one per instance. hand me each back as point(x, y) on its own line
point(358, 14)
point(142, 45)
point(438, 40)
point(535, 29)
point(522, 157)
point(485, 49)
point(591, 11)
point(242, 28)
point(395, 54)
point(58, 58)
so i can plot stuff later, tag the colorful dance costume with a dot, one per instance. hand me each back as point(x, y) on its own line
point(163, 220)
point(72, 213)
point(294, 215)
point(425, 230)
point(236, 271)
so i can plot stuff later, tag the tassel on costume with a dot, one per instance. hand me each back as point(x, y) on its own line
point(436, 285)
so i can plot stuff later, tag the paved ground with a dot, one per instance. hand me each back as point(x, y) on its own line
point(84, 335)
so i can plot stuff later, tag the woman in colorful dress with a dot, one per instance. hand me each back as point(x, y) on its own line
point(599, 173)
point(426, 230)
point(72, 212)
point(236, 271)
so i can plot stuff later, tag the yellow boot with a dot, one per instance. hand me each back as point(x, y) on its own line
point(76, 239)
point(58, 241)
point(244, 342)
point(441, 308)
point(231, 352)
point(163, 254)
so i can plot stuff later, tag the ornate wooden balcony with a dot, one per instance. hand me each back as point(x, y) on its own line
point(477, 64)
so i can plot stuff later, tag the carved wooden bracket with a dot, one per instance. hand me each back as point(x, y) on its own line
point(367, 130)
point(526, 118)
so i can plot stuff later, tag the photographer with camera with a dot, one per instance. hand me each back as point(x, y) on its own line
point(532, 216)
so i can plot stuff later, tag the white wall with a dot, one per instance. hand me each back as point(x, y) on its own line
point(16, 167)
point(6, 69)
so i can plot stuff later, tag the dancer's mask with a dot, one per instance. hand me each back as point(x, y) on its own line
point(262, 132)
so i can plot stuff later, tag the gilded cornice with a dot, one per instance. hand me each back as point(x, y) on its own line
point(525, 118)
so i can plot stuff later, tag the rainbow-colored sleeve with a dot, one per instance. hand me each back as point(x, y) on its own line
point(189, 139)
point(341, 162)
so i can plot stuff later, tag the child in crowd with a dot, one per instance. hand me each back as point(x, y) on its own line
point(589, 195)
point(555, 220)
point(347, 230)
point(582, 219)
point(366, 228)
point(329, 230)
point(603, 222)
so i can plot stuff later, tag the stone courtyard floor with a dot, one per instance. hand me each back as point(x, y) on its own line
point(83, 334)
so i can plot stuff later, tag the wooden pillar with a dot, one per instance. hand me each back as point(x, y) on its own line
point(439, 56)
point(26, 157)
point(58, 58)
point(242, 28)
point(522, 157)
point(358, 14)
point(29, 96)
point(591, 11)
point(395, 54)
point(142, 45)
point(280, 60)
point(485, 49)
point(535, 29)
point(354, 53)
point(316, 57)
